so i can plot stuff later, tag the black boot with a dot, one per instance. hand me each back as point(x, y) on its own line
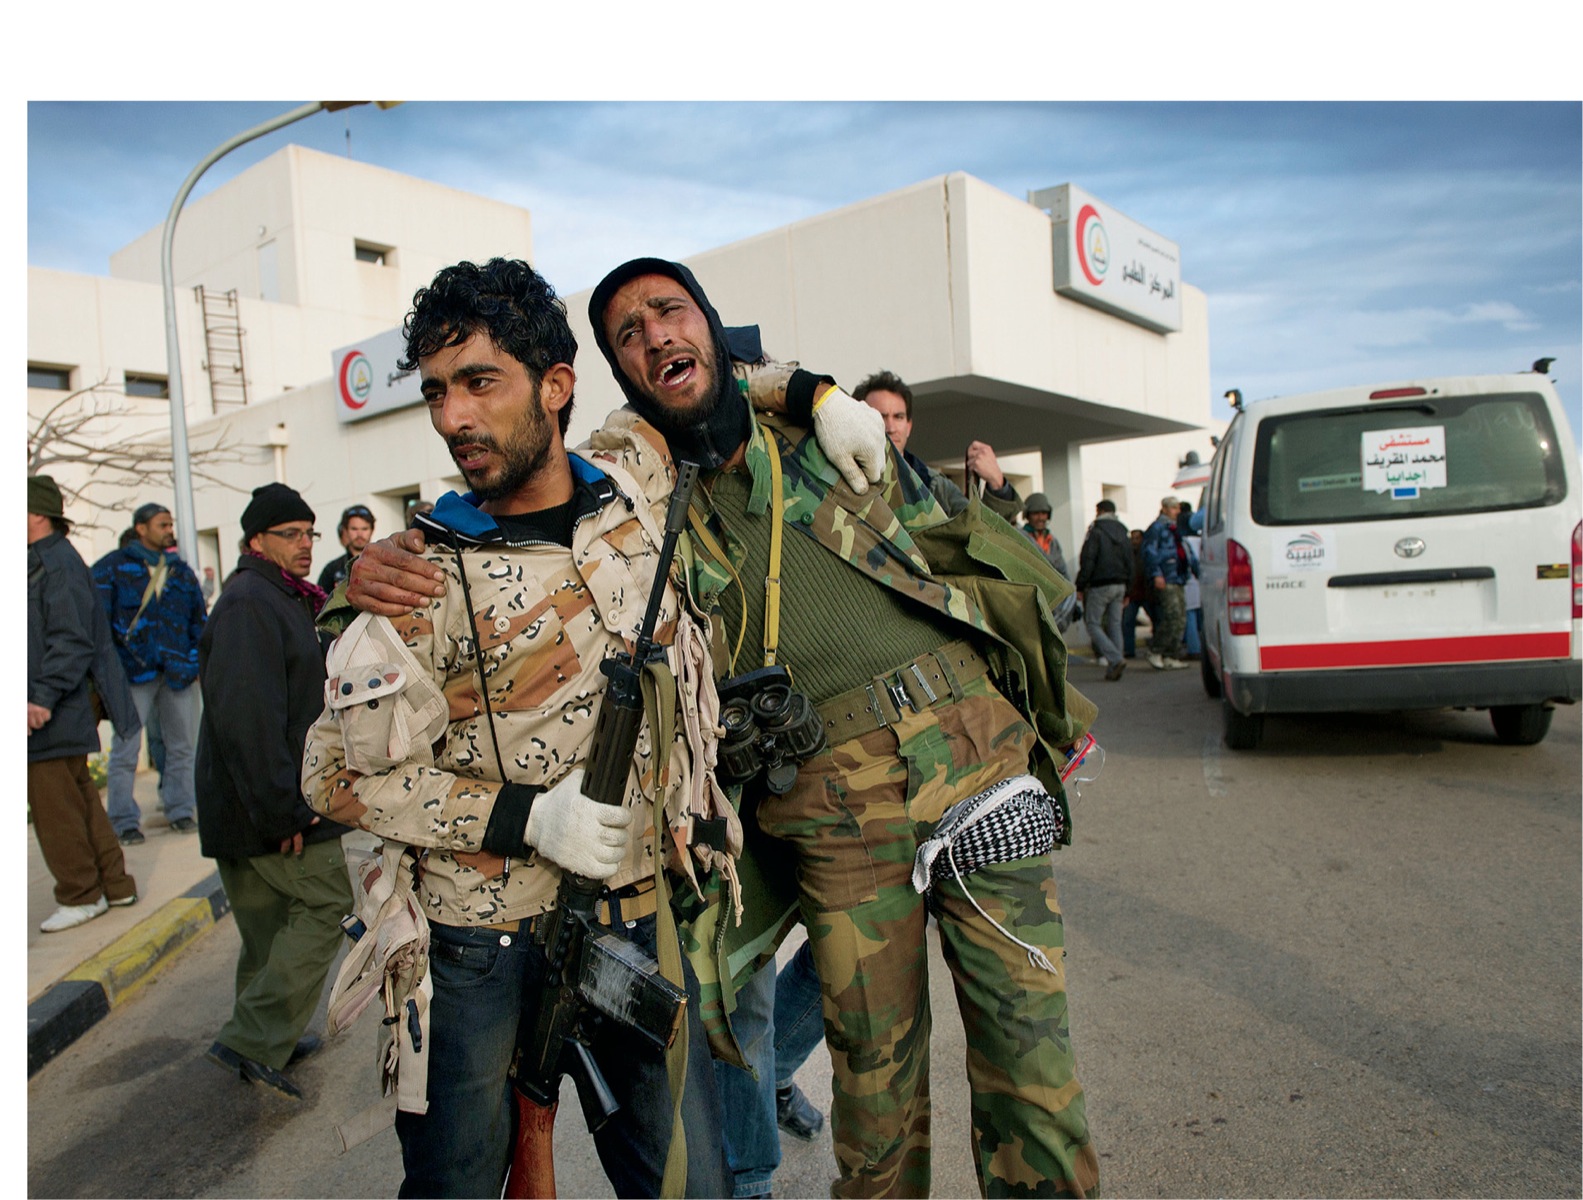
point(795, 1114)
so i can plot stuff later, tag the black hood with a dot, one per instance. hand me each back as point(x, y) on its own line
point(713, 440)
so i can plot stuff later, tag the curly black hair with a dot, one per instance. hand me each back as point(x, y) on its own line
point(506, 299)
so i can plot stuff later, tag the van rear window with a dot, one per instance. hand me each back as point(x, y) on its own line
point(1439, 456)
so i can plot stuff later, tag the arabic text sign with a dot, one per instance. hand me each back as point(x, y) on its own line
point(1109, 260)
point(1404, 461)
point(368, 381)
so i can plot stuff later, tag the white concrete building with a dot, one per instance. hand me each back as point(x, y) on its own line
point(947, 282)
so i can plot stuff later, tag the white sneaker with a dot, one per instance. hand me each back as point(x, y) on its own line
point(1176, 664)
point(1156, 662)
point(69, 916)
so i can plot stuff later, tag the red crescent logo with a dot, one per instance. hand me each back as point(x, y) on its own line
point(345, 384)
point(1084, 216)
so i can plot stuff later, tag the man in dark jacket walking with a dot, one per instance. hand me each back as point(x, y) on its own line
point(262, 676)
point(1103, 572)
point(64, 645)
point(156, 612)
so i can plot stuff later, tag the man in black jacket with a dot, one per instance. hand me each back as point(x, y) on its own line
point(1104, 569)
point(64, 641)
point(262, 676)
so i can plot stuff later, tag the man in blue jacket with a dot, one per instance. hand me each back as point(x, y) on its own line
point(1168, 563)
point(156, 612)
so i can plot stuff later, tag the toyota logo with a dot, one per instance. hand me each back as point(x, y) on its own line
point(1410, 547)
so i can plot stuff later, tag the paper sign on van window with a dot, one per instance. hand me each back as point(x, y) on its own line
point(1303, 550)
point(1404, 461)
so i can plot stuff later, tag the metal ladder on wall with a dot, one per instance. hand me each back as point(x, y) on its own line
point(222, 338)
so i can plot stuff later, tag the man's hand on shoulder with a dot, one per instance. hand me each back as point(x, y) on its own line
point(852, 436)
point(389, 578)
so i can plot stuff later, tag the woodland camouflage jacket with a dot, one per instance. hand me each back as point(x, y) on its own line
point(974, 569)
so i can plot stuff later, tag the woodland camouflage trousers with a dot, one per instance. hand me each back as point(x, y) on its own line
point(854, 820)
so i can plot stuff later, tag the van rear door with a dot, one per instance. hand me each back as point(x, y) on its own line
point(1417, 526)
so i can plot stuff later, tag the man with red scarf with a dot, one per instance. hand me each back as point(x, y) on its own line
point(262, 675)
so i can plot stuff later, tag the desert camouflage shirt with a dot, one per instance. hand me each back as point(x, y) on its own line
point(543, 617)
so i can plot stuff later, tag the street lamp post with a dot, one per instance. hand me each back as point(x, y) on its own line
point(186, 517)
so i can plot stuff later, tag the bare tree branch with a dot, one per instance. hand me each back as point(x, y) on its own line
point(92, 430)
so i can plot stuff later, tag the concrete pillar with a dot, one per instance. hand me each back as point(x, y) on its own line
point(1069, 509)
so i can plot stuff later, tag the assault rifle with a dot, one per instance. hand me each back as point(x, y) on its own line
point(594, 973)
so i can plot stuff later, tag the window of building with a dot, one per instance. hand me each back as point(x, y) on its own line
point(373, 252)
point(155, 387)
point(411, 504)
point(41, 375)
point(1115, 493)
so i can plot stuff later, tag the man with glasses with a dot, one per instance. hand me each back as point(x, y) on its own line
point(262, 676)
point(356, 530)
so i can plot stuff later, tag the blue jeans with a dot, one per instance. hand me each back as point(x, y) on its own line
point(778, 1021)
point(462, 1145)
point(178, 722)
point(1102, 617)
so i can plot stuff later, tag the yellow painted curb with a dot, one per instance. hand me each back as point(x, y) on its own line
point(137, 955)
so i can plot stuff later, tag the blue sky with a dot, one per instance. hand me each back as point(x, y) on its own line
point(1338, 243)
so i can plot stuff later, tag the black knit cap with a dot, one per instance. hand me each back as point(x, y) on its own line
point(147, 512)
point(273, 504)
point(714, 439)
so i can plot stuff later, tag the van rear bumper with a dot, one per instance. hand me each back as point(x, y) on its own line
point(1458, 685)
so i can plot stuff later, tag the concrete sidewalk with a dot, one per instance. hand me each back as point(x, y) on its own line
point(75, 977)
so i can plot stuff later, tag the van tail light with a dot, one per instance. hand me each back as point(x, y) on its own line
point(1577, 571)
point(1239, 587)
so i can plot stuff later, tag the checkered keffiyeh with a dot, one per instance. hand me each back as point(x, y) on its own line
point(1015, 818)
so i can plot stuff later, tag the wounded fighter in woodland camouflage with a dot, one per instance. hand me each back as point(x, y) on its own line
point(904, 666)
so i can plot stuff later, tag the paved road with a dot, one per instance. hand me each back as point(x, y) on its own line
point(1346, 964)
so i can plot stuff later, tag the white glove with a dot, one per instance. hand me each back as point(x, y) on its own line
point(852, 436)
point(577, 834)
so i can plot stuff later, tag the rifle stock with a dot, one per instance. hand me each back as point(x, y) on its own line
point(533, 1156)
point(589, 969)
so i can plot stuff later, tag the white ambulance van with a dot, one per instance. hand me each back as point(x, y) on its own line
point(1409, 546)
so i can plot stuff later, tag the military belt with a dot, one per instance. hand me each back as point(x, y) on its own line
point(933, 678)
point(620, 907)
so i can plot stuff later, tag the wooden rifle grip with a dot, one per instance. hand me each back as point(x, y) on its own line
point(532, 1174)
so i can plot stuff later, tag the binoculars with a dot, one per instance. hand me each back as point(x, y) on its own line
point(769, 728)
